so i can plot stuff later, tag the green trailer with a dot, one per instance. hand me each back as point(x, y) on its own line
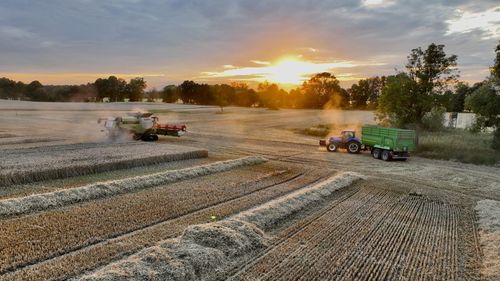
point(388, 143)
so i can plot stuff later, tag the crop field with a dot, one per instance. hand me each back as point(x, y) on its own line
point(242, 196)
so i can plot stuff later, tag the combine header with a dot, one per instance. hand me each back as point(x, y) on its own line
point(142, 126)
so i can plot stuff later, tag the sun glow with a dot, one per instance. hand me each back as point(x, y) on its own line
point(288, 70)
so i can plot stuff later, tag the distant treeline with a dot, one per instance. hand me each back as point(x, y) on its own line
point(320, 91)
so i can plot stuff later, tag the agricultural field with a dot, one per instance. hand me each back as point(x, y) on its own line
point(242, 196)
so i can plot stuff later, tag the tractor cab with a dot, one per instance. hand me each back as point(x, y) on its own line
point(347, 140)
point(347, 135)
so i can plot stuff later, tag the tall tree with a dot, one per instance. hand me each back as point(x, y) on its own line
point(222, 94)
point(270, 95)
point(485, 102)
point(111, 87)
point(135, 89)
point(365, 93)
point(495, 70)
point(431, 73)
point(323, 89)
point(170, 94)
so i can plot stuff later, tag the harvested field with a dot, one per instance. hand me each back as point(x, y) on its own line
point(416, 220)
point(374, 234)
point(489, 234)
point(52, 162)
point(132, 220)
point(23, 205)
point(204, 251)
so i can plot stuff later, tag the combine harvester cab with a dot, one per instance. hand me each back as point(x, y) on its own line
point(142, 126)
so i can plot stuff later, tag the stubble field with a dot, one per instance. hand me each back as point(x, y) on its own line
point(241, 196)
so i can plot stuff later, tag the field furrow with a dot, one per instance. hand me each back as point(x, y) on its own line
point(85, 255)
point(383, 236)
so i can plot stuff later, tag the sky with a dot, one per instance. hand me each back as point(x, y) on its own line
point(223, 41)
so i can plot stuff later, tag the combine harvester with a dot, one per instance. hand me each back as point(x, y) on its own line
point(384, 143)
point(142, 126)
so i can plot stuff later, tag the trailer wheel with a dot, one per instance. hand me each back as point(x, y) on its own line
point(331, 147)
point(386, 155)
point(353, 147)
point(376, 153)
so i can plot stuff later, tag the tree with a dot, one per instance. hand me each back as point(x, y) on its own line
point(135, 89)
point(222, 94)
point(485, 102)
point(395, 105)
point(323, 90)
point(495, 70)
point(36, 92)
point(10, 89)
point(270, 95)
point(111, 87)
point(170, 94)
point(428, 75)
point(365, 93)
point(243, 96)
point(188, 91)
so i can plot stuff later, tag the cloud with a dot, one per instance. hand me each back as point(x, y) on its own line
point(378, 3)
point(287, 71)
point(182, 38)
point(486, 21)
point(261, 62)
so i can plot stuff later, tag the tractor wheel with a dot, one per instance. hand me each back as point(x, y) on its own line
point(154, 137)
point(353, 147)
point(376, 153)
point(386, 155)
point(331, 147)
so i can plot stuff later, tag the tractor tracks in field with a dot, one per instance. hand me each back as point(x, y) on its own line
point(116, 246)
point(373, 235)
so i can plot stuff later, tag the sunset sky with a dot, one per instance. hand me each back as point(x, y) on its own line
point(77, 41)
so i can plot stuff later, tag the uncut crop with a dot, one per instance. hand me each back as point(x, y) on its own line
point(230, 199)
point(60, 198)
point(52, 162)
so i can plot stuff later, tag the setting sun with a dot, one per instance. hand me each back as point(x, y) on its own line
point(286, 71)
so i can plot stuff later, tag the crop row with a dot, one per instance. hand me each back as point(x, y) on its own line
point(369, 237)
point(74, 263)
point(43, 163)
point(204, 250)
point(37, 202)
point(151, 213)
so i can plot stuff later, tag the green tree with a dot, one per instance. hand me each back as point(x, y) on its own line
point(243, 96)
point(428, 75)
point(270, 95)
point(170, 94)
point(36, 92)
point(323, 90)
point(135, 89)
point(485, 102)
point(365, 93)
point(111, 87)
point(396, 104)
point(10, 89)
point(495, 70)
point(222, 94)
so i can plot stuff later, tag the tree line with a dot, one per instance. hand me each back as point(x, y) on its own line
point(427, 87)
point(320, 91)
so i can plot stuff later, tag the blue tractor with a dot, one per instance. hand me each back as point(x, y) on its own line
point(347, 140)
